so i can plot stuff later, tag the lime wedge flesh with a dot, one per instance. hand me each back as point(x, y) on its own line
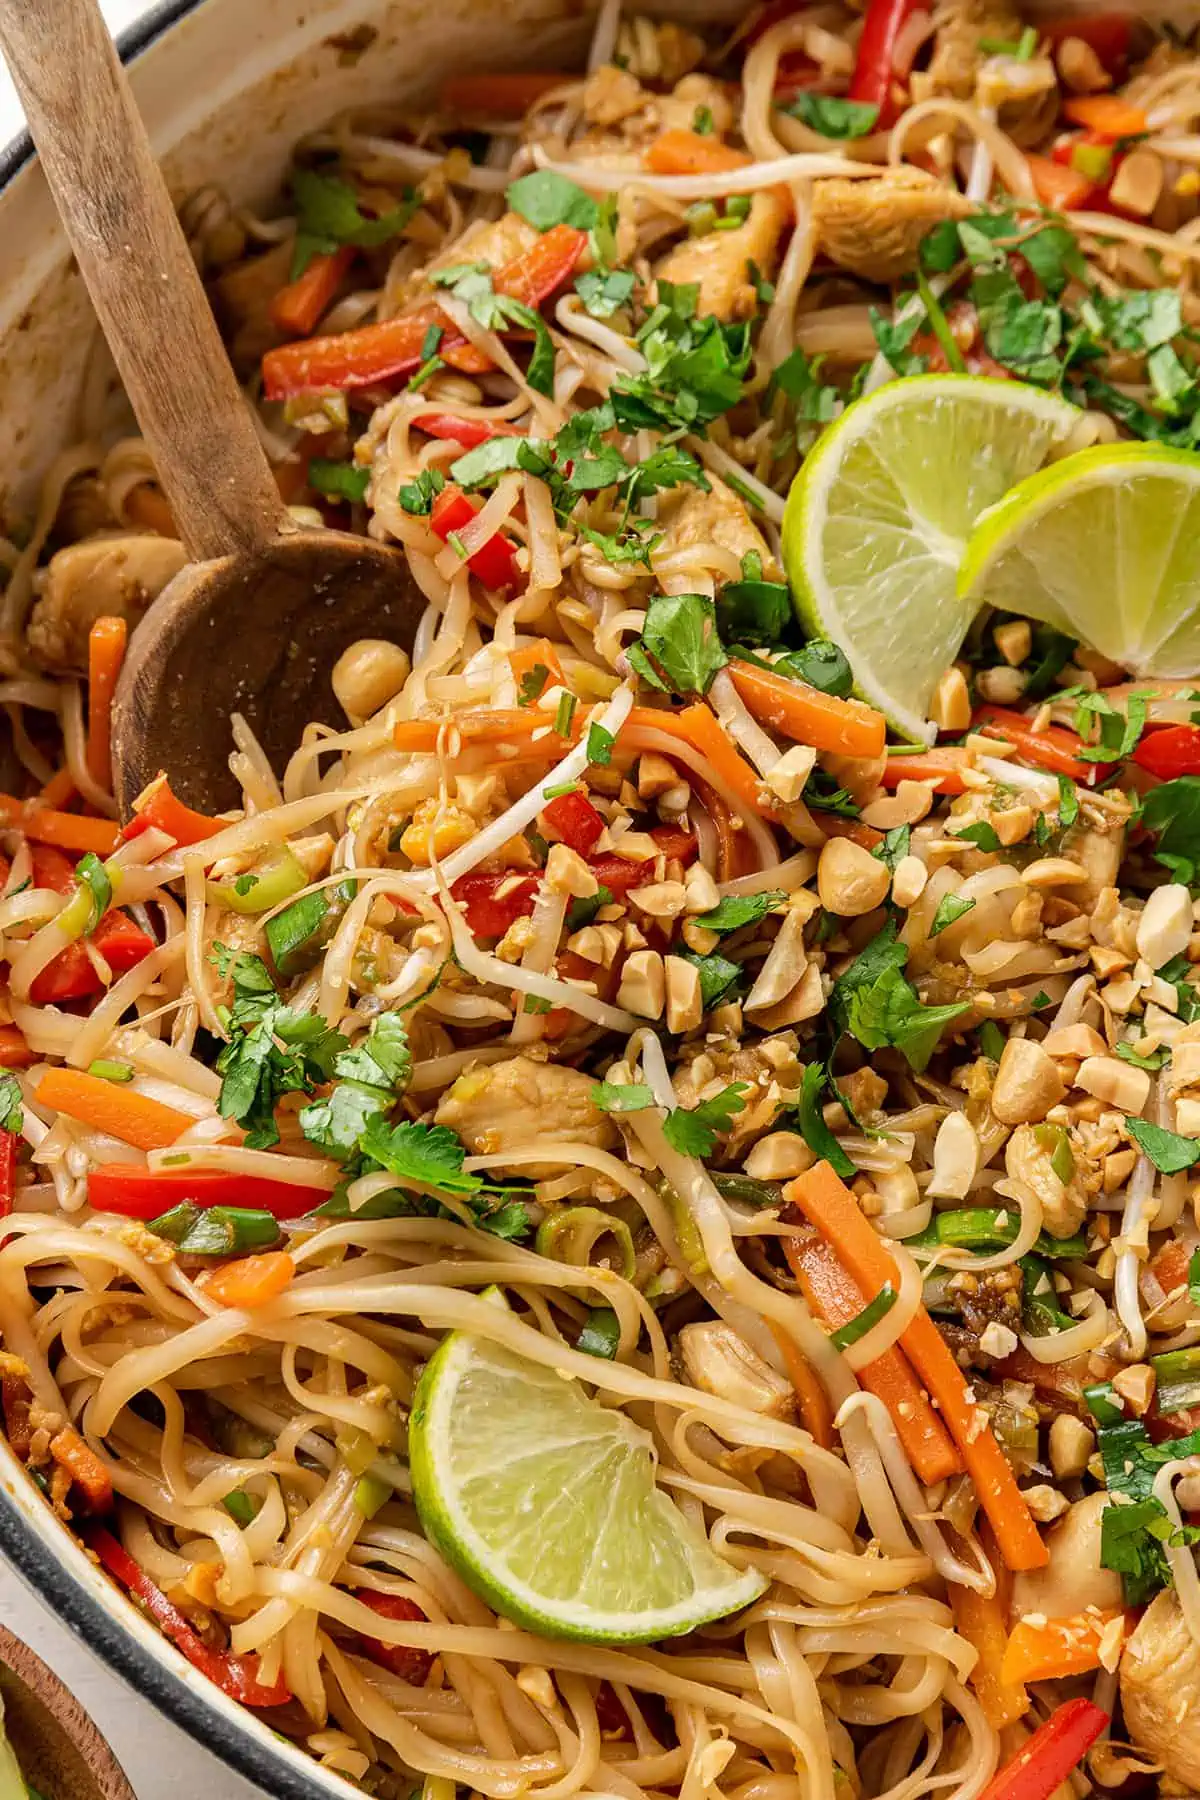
point(545, 1503)
point(879, 517)
point(1105, 546)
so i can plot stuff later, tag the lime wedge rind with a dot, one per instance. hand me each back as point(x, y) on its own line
point(879, 517)
point(593, 1550)
point(1105, 546)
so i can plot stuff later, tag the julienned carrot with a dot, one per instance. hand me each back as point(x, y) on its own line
point(1055, 748)
point(297, 307)
point(983, 1620)
point(156, 806)
point(540, 654)
point(58, 790)
point(14, 1051)
point(482, 725)
point(251, 1281)
point(836, 1299)
point(70, 831)
point(815, 1408)
point(1108, 114)
point(828, 1204)
point(683, 152)
point(106, 653)
point(945, 766)
point(808, 716)
point(108, 1107)
point(507, 95)
point(1055, 1648)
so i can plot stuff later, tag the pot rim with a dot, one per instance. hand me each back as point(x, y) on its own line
point(49, 1575)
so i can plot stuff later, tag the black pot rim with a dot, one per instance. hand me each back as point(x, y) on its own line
point(51, 1579)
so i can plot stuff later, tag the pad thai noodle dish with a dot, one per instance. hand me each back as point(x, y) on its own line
point(628, 1223)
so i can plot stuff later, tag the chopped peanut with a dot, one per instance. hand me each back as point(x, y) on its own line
point(950, 708)
point(850, 881)
point(1027, 1083)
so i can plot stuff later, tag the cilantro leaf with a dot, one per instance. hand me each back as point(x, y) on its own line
point(1172, 812)
point(816, 1132)
point(1131, 1543)
point(417, 496)
point(545, 198)
point(878, 1006)
point(736, 910)
point(753, 611)
point(982, 835)
point(605, 294)
point(429, 1156)
point(582, 912)
point(1128, 1054)
point(694, 1131)
point(831, 116)
point(949, 908)
point(599, 745)
point(894, 337)
point(717, 975)
point(621, 1097)
point(272, 1050)
point(1169, 1152)
point(328, 214)
point(680, 633)
point(695, 366)
point(1176, 972)
point(382, 1059)
point(895, 846)
point(12, 1115)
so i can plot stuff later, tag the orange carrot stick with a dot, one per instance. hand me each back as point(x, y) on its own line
point(815, 1408)
point(106, 653)
point(827, 1203)
point(84, 1467)
point(807, 715)
point(58, 790)
point(252, 1280)
point(298, 307)
point(1055, 1648)
point(683, 152)
point(69, 831)
point(836, 1299)
point(983, 1620)
point(105, 1106)
point(522, 662)
point(1108, 114)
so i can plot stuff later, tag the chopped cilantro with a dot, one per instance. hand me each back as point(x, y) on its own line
point(1169, 1152)
point(338, 480)
point(737, 910)
point(621, 1097)
point(680, 633)
point(545, 198)
point(694, 1131)
point(949, 908)
point(832, 117)
point(418, 496)
point(328, 215)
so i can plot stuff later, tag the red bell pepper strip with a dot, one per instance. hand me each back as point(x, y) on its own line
point(1055, 748)
point(574, 819)
point(1050, 1755)
point(52, 869)
point(72, 976)
point(9, 1144)
point(236, 1676)
point(1171, 752)
point(943, 764)
point(874, 73)
point(137, 1193)
point(406, 1664)
point(157, 806)
point(470, 433)
point(493, 902)
point(297, 307)
point(1062, 187)
point(351, 359)
point(495, 562)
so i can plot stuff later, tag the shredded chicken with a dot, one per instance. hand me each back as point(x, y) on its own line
point(718, 517)
point(720, 261)
point(515, 1103)
point(1160, 1690)
point(957, 57)
point(874, 228)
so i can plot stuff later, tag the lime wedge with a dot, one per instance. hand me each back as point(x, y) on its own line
point(880, 513)
point(1105, 545)
point(545, 1503)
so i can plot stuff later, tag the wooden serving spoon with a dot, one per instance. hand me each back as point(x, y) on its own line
point(257, 620)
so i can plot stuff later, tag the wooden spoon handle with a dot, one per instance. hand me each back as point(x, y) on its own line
point(139, 272)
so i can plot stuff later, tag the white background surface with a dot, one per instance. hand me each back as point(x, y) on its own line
point(161, 1762)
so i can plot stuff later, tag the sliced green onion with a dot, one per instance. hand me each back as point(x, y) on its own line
point(991, 1228)
point(1027, 44)
point(1177, 1376)
point(748, 1189)
point(455, 542)
point(230, 1231)
point(858, 1327)
point(276, 879)
point(991, 1038)
point(601, 1333)
point(566, 712)
point(1041, 1315)
point(296, 936)
point(104, 1070)
point(175, 1224)
point(1054, 1139)
point(241, 1506)
point(371, 1495)
point(701, 218)
point(1093, 161)
point(560, 788)
point(572, 1235)
point(938, 324)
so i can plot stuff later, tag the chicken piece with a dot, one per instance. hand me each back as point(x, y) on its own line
point(957, 58)
point(718, 517)
point(117, 575)
point(511, 1105)
point(874, 227)
point(1064, 1204)
point(1160, 1690)
point(493, 241)
point(677, 111)
point(719, 262)
point(1073, 1579)
point(241, 301)
point(1101, 854)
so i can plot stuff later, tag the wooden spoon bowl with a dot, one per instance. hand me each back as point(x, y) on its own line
point(257, 621)
point(60, 1750)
